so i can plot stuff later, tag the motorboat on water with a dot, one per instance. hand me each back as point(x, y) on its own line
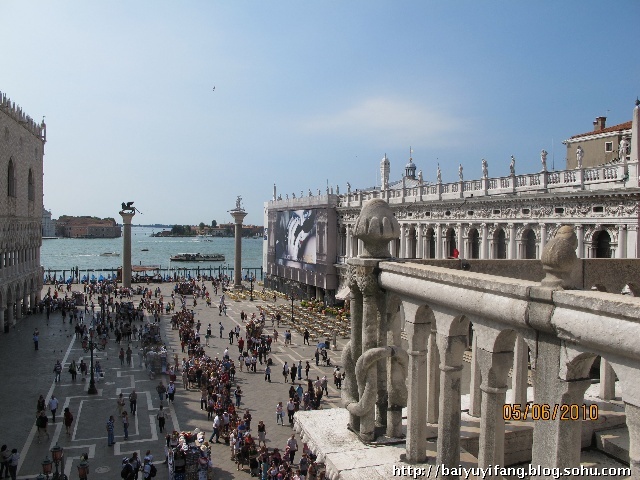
point(145, 250)
point(110, 254)
point(198, 257)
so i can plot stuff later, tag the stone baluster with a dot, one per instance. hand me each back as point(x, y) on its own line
point(495, 370)
point(607, 381)
point(350, 387)
point(475, 394)
point(396, 374)
point(433, 377)
point(520, 375)
point(417, 333)
point(451, 349)
point(633, 425)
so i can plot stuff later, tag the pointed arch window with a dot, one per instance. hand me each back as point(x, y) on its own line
point(11, 179)
point(31, 188)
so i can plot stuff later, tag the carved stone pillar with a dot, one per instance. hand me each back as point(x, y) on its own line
point(419, 241)
point(126, 248)
point(396, 375)
point(439, 241)
point(350, 387)
point(451, 349)
point(607, 381)
point(621, 252)
point(433, 377)
point(475, 394)
point(403, 247)
point(520, 375)
point(495, 370)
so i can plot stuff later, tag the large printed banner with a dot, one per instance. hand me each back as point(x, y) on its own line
point(296, 239)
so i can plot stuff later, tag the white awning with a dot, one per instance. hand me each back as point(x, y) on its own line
point(343, 293)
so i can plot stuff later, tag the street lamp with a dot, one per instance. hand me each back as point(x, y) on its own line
point(251, 281)
point(292, 299)
point(57, 454)
point(90, 346)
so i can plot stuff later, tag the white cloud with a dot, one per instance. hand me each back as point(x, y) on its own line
point(390, 120)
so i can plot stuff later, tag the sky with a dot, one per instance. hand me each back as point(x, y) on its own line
point(306, 94)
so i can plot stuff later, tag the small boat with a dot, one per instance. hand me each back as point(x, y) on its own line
point(198, 257)
point(145, 250)
point(110, 254)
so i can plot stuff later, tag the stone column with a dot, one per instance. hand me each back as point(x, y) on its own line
point(580, 235)
point(403, 247)
point(396, 375)
point(543, 235)
point(438, 241)
point(433, 377)
point(607, 381)
point(126, 248)
point(417, 333)
point(495, 370)
point(1, 318)
point(33, 301)
point(483, 241)
point(475, 394)
point(9, 315)
point(350, 388)
point(238, 215)
point(511, 246)
point(419, 240)
point(18, 306)
point(451, 349)
point(520, 375)
point(621, 252)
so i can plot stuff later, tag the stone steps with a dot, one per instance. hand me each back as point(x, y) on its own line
point(614, 442)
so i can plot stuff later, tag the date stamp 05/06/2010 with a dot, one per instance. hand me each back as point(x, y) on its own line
point(545, 411)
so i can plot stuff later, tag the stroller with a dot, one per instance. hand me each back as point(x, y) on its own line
point(325, 358)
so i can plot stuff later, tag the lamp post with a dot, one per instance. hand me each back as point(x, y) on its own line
point(90, 346)
point(292, 299)
point(57, 454)
point(251, 292)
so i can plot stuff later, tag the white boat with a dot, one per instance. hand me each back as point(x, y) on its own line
point(110, 254)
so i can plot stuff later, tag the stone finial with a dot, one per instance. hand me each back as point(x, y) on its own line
point(559, 258)
point(376, 227)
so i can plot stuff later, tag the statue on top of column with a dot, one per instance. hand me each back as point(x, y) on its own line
point(460, 176)
point(239, 203)
point(623, 149)
point(485, 169)
point(579, 156)
point(439, 174)
point(512, 165)
point(543, 159)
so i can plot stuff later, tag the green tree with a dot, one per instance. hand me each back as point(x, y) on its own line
point(214, 224)
point(177, 230)
point(201, 225)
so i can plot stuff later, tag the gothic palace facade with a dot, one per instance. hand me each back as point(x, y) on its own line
point(21, 167)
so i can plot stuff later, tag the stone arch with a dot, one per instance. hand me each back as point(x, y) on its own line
point(412, 244)
point(450, 241)
point(474, 243)
point(11, 179)
point(601, 244)
point(529, 244)
point(343, 240)
point(430, 243)
point(499, 244)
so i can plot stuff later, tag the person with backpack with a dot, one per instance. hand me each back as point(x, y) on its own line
point(127, 472)
point(148, 470)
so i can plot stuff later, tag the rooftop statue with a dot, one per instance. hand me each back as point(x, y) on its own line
point(485, 169)
point(512, 165)
point(239, 203)
point(543, 159)
point(579, 155)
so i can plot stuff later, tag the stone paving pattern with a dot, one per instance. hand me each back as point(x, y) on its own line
point(29, 373)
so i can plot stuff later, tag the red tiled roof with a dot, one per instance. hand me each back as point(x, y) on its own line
point(615, 128)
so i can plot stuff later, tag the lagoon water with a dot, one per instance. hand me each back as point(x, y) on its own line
point(68, 253)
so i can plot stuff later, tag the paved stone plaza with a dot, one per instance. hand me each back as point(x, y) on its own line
point(29, 373)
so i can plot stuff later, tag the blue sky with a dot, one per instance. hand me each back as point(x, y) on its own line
point(305, 92)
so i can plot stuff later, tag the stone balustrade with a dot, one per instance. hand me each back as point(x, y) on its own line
point(561, 332)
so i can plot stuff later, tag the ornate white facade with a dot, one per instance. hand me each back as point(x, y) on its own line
point(21, 153)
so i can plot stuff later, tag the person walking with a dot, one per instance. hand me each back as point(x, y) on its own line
point(293, 373)
point(129, 353)
point(171, 391)
point(110, 431)
point(292, 443)
point(307, 367)
point(279, 414)
point(285, 372)
point(125, 424)
point(133, 402)
point(5, 453)
point(161, 389)
point(36, 336)
point(291, 409)
point(267, 374)
point(161, 419)
point(299, 370)
point(305, 341)
point(262, 433)
point(57, 370)
point(14, 461)
point(120, 403)
point(67, 419)
point(216, 429)
point(238, 395)
point(121, 356)
point(221, 328)
point(53, 406)
point(41, 422)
